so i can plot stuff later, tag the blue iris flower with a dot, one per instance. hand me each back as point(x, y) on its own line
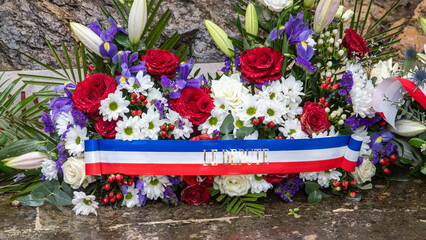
point(305, 53)
point(182, 80)
point(296, 30)
point(107, 48)
point(127, 69)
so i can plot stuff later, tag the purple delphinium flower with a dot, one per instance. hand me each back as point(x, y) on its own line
point(161, 106)
point(124, 189)
point(360, 161)
point(227, 65)
point(170, 196)
point(62, 157)
point(375, 158)
point(49, 127)
point(347, 81)
point(288, 188)
point(19, 177)
point(79, 118)
point(175, 180)
point(355, 122)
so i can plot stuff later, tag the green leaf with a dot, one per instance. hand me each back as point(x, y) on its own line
point(231, 205)
point(3, 139)
point(67, 189)
point(221, 197)
point(311, 187)
point(383, 17)
point(423, 169)
point(416, 142)
point(366, 186)
point(244, 131)
point(123, 40)
point(32, 200)
point(314, 198)
point(255, 205)
point(52, 202)
point(62, 198)
point(227, 125)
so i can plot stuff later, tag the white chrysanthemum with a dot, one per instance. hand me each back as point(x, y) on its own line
point(114, 106)
point(222, 105)
point(63, 121)
point(183, 127)
point(253, 136)
point(291, 109)
point(83, 204)
point(325, 177)
point(154, 94)
point(292, 89)
point(362, 91)
point(154, 186)
point(238, 123)
point(49, 170)
point(133, 87)
point(330, 133)
point(292, 129)
point(271, 110)
point(131, 198)
point(309, 176)
point(128, 129)
point(213, 123)
point(365, 148)
point(273, 91)
point(74, 141)
point(249, 108)
point(150, 124)
point(258, 184)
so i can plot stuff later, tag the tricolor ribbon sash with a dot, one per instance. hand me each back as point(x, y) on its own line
point(220, 157)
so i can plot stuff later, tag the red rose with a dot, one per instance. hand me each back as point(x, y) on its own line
point(277, 178)
point(195, 180)
point(89, 93)
point(196, 195)
point(193, 104)
point(106, 128)
point(261, 64)
point(355, 44)
point(314, 119)
point(160, 62)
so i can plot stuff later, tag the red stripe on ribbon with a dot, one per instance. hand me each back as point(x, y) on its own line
point(418, 95)
point(200, 169)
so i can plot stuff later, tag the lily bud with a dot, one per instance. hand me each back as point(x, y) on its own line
point(137, 21)
point(422, 21)
point(325, 13)
point(408, 128)
point(89, 38)
point(252, 24)
point(347, 15)
point(220, 38)
point(308, 3)
point(339, 12)
point(32, 160)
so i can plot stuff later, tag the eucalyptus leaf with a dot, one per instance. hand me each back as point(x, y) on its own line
point(61, 197)
point(314, 198)
point(33, 200)
point(311, 187)
point(227, 125)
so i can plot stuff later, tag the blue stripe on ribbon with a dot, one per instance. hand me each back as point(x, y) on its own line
point(354, 144)
point(199, 146)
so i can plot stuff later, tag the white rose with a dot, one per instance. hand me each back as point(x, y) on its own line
point(364, 172)
point(347, 15)
point(232, 185)
point(74, 171)
point(230, 89)
point(278, 5)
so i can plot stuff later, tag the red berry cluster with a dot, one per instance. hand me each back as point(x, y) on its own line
point(346, 187)
point(323, 102)
point(386, 162)
point(166, 129)
point(138, 100)
point(327, 84)
point(113, 186)
point(268, 127)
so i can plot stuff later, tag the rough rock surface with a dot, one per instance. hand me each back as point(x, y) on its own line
point(25, 24)
point(398, 213)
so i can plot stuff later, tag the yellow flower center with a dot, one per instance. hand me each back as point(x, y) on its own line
point(106, 45)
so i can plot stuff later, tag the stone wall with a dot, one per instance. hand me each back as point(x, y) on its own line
point(25, 24)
